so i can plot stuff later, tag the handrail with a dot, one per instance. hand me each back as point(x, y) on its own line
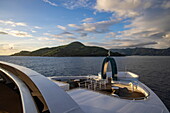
point(26, 97)
point(54, 98)
point(27, 80)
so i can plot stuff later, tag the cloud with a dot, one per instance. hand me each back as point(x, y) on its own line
point(49, 39)
point(3, 33)
point(166, 4)
point(94, 12)
point(111, 34)
point(33, 31)
point(97, 27)
point(13, 24)
point(62, 36)
point(16, 33)
point(19, 33)
point(88, 20)
point(146, 20)
point(7, 46)
point(37, 27)
point(70, 38)
point(53, 35)
point(67, 34)
point(151, 26)
point(123, 8)
point(61, 27)
point(73, 25)
point(7, 49)
point(121, 44)
point(72, 4)
point(142, 44)
point(51, 3)
point(83, 34)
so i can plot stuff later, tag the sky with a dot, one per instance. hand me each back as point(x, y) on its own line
point(33, 24)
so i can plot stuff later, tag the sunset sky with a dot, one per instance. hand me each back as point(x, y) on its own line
point(33, 24)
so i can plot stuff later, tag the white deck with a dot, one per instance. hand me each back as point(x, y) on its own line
point(93, 102)
point(64, 86)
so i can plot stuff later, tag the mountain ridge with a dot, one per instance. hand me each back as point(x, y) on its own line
point(69, 50)
point(143, 51)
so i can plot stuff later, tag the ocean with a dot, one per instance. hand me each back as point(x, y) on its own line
point(154, 71)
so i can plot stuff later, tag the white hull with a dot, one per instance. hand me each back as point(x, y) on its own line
point(55, 100)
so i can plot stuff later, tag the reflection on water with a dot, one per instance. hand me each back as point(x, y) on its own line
point(154, 71)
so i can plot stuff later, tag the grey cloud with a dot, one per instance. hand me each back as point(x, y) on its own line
point(16, 33)
point(152, 25)
point(88, 20)
point(66, 33)
point(118, 43)
point(62, 36)
point(96, 44)
point(97, 27)
point(157, 35)
point(70, 38)
point(123, 40)
point(83, 34)
point(142, 44)
point(3, 33)
point(12, 23)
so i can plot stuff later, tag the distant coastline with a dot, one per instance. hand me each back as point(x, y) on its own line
point(77, 49)
point(143, 51)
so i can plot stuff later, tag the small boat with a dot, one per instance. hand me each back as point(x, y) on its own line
point(26, 91)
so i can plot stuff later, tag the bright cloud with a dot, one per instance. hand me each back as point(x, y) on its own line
point(3, 33)
point(88, 20)
point(7, 49)
point(19, 33)
point(123, 8)
point(148, 23)
point(33, 31)
point(13, 24)
point(73, 25)
point(98, 27)
point(51, 3)
point(61, 36)
point(61, 27)
point(111, 34)
point(49, 39)
point(16, 33)
point(37, 27)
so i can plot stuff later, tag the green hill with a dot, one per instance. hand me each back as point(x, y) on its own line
point(72, 49)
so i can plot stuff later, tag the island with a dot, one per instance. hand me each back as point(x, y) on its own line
point(74, 49)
